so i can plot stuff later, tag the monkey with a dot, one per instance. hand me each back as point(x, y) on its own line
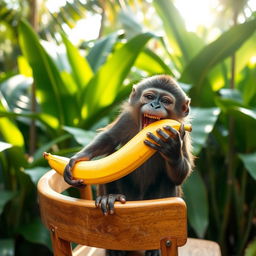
point(153, 98)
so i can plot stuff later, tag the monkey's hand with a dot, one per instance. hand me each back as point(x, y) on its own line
point(106, 202)
point(68, 174)
point(168, 142)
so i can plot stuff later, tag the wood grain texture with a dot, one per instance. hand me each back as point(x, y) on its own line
point(60, 247)
point(137, 225)
point(168, 246)
point(86, 193)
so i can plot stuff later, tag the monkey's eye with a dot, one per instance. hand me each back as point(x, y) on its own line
point(166, 101)
point(149, 96)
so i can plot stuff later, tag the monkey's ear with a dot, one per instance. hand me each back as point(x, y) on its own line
point(185, 107)
point(132, 94)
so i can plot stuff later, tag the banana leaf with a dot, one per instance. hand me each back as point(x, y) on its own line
point(81, 70)
point(7, 247)
point(203, 121)
point(227, 44)
point(106, 83)
point(100, 51)
point(251, 249)
point(195, 195)
point(52, 93)
point(249, 161)
point(150, 62)
point(183, 43)
point(4, 146)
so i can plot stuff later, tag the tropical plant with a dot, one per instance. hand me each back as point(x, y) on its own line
point(227, 183)
point(64, 104)
point(79, 91)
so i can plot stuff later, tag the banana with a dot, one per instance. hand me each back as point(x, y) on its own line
point(117, 165)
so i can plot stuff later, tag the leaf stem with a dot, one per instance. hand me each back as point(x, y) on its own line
point(248, 227)
point(32, 129)
point(230, 181)
point(231, 153)
point(212, 183)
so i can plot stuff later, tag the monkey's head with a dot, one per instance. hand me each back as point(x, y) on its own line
point(158, 97)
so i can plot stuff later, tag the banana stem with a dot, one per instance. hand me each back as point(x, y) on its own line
point(188, 127)
point(46, 155)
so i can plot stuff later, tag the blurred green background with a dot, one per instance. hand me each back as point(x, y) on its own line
point(65, 66)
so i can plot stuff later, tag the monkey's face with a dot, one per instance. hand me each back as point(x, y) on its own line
point(156, 104)
point(158, 97)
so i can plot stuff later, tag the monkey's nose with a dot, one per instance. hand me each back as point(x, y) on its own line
point(155, 105)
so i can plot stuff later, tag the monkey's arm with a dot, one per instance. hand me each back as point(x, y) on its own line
point(172, 146)
point(104, 143)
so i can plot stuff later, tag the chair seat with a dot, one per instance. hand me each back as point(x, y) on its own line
point(193, 247)
point(199, 247)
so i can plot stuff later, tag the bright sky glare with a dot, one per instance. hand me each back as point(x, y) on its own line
point(54, 6)
point(86, 29)
point(194, 13)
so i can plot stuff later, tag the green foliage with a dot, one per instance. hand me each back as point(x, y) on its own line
point(7, 247)
point(51, 90)
point(99, 52)
point(105, 95)
point(36, 232)
point(176, 33)
point(249, 161)
point(5, 197)
point(195, 194)
point(251, 250)
point(79, 91)
point(203, 121)
point(229, 42)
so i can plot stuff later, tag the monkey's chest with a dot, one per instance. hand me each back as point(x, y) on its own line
point(149, 173)
point(149, 181)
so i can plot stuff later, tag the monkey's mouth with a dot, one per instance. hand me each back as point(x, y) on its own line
point(149, 119)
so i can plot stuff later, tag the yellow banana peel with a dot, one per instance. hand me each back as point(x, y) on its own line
point(117, 165)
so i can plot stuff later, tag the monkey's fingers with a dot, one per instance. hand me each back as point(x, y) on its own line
point(152, 145)
point(163, 135)
point(97, 201)
point(103, 205)
point(75, 183)
point(106, 202)
point(172, 132)
point(182, 131)
point(69, 179)
point(155, 139)
point(112, 199)
point(121, 198)
point(67, 174)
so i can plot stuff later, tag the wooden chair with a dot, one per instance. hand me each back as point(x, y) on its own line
point(135, 226)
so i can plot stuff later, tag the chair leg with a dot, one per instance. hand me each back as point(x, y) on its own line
point(86, 193)
point(60, 246)
point(168, 247)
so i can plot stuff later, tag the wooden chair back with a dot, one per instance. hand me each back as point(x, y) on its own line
point(136, 225)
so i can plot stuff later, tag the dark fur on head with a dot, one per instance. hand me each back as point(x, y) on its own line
point(163, 82)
